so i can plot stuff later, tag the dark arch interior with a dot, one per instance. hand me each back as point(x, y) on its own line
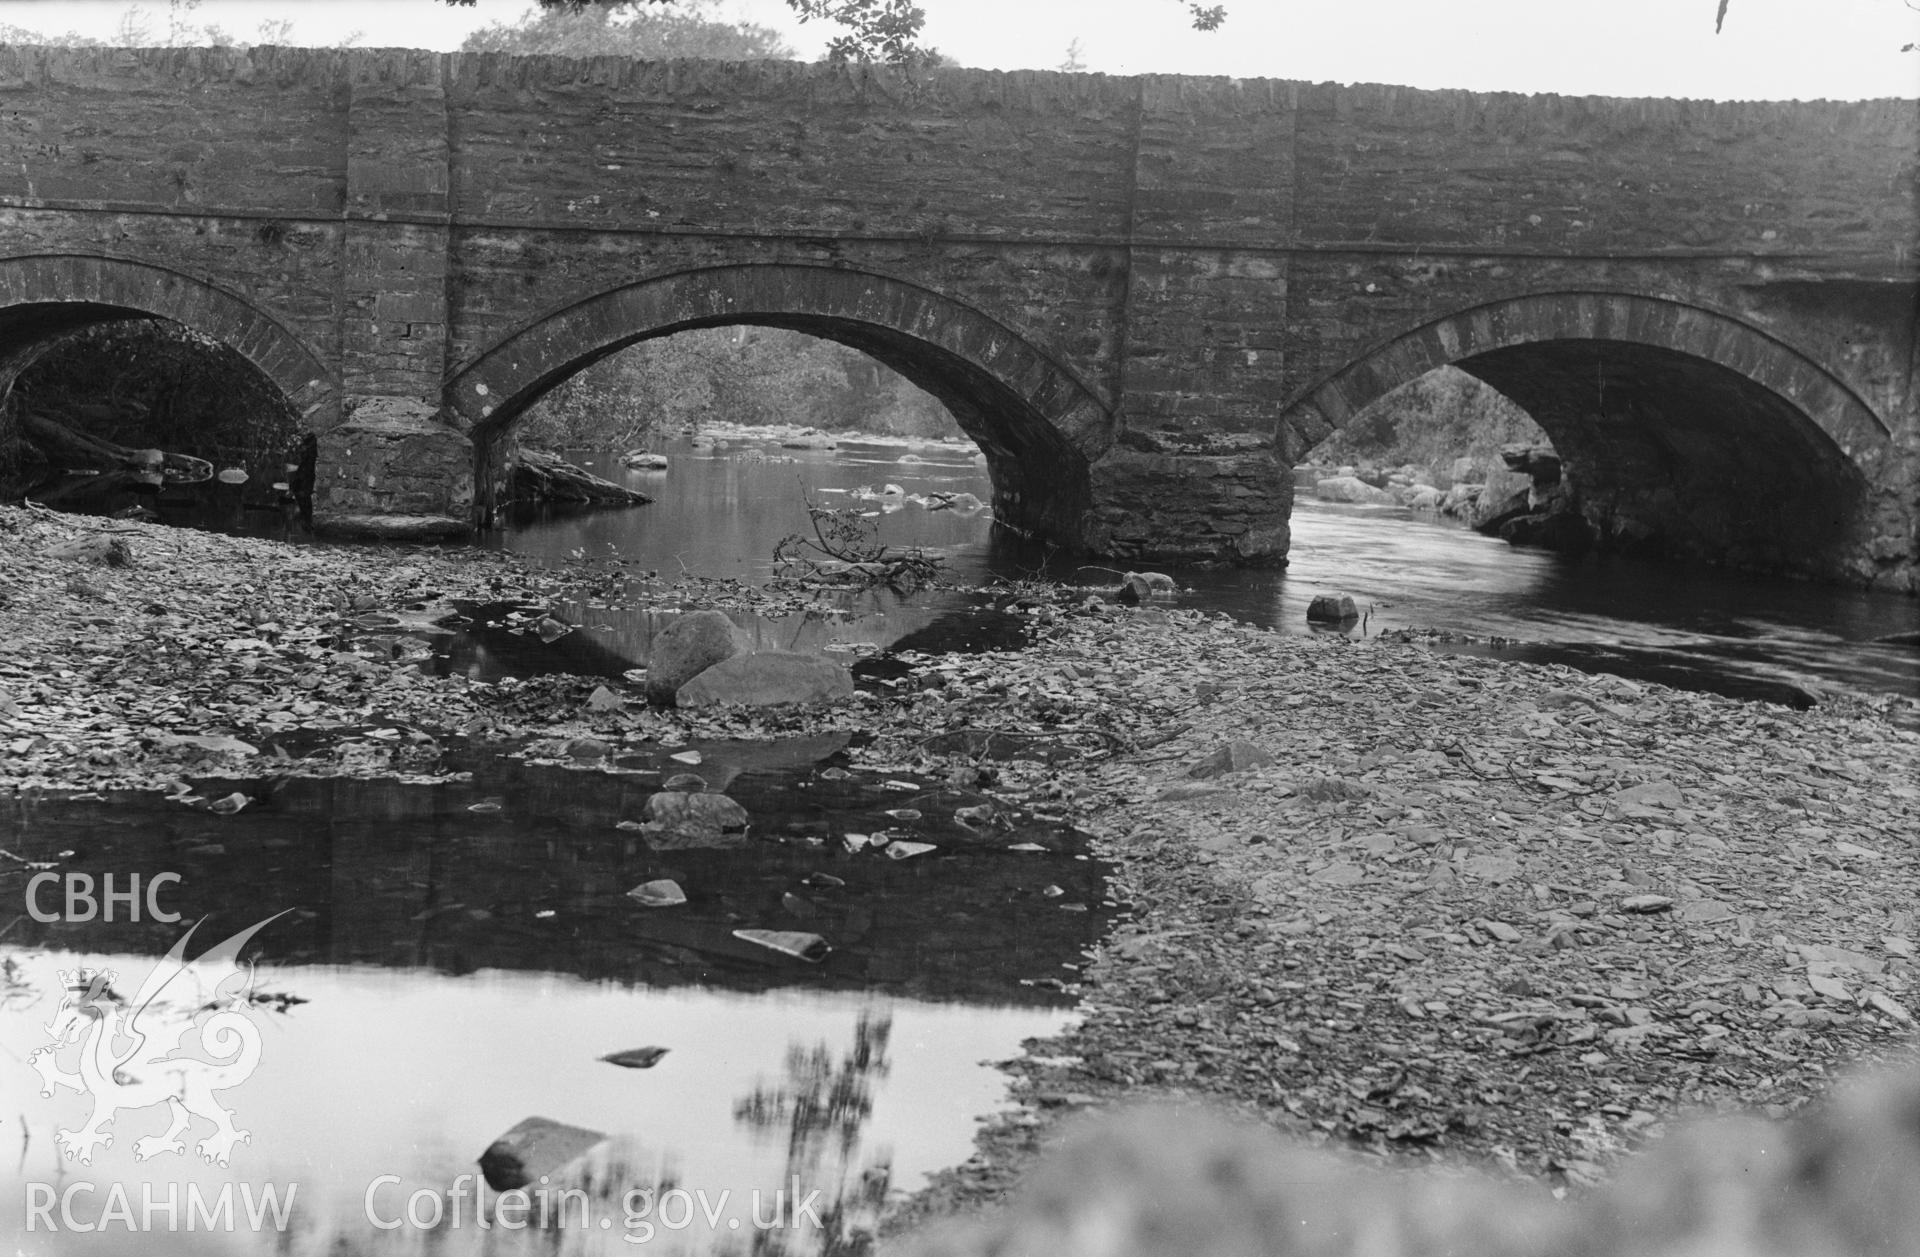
point(1040, 483)
point(1687, 454)
point(125, 379)
point(27, 330)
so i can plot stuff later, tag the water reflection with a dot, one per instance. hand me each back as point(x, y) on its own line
point(527, 866)
point(612, 639)
point(388, 1084)
point(721, 512)
point(820, 1109)
point(460, 957)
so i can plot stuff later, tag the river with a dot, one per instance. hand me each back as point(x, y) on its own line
point(720, 509)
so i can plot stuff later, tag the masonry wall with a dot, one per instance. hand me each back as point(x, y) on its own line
point(1196, 252)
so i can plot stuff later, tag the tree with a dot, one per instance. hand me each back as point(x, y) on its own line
point(753, 375)
point(1430, 421)
point(631, 30)
point(876, 30)
point(134, 30)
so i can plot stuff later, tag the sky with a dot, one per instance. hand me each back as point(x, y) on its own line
point(1769, 50)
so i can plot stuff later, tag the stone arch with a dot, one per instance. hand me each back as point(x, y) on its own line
point(45, 296)
point(1680, 424)
point(1039, 425)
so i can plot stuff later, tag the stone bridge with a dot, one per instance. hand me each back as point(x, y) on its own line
point(1145, 298)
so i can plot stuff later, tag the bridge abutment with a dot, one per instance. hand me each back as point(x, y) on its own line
point(1155, 504)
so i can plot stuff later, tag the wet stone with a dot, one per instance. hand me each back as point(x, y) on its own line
point(686, 648)
point(1234, 757)
point(535, 1147)
point(588, 748)
point(677, 819)
point(768, 679)
point(1332, 609)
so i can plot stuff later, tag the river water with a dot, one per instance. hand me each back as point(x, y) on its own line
point(719, 510)
point(454, 958)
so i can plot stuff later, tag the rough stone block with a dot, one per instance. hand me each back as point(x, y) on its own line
point(394, 456)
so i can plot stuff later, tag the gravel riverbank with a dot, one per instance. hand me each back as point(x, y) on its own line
point(1438, 908)
point(1464, 912)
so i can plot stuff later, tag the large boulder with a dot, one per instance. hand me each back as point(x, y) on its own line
point(686, 648)
point(1492, 513)
point(1566, 532)
point(770, 679)
point(1139, 586)
point(1461, 500)
point(1539, 463)
point(1350, 489)
point(1421, 497)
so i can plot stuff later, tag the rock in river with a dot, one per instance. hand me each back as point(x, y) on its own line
point(677, 819)
point(686, 648)
point(1350, 489)
point(534, 1147)
point(1332, 609)
point(767, 679)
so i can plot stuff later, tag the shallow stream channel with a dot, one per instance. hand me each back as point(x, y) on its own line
point(754, 1037)
point(456, 958)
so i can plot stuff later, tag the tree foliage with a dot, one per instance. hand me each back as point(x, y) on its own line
point(649, 31)
point(887, 31)
point(177, 29)
point(1429, 422)
point(752, 375)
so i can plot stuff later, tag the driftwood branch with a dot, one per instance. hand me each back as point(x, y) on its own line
point(85, 466)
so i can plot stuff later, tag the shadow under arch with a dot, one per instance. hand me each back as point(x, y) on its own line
point(1039, 425)
point(46, 296)
point(1684, 430)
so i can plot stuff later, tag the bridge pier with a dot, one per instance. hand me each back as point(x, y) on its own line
point(394, 469)
point(398, 465)
point(1153, 503)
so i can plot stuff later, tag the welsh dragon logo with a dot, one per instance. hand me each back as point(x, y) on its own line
point(130, 1051)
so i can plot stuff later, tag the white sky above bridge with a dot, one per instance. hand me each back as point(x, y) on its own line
point(1770, 49)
